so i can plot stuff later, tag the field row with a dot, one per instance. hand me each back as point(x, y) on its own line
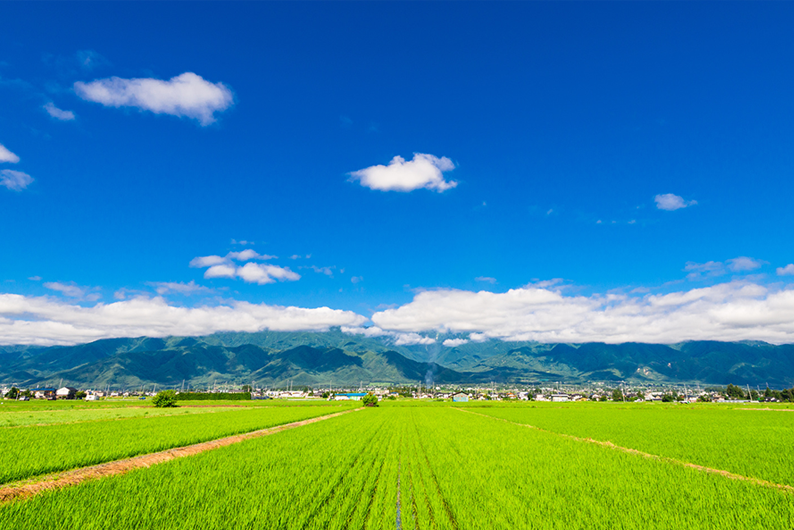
point(753, 443)
point(52, 417)
point(31, 451)
point(455, 470)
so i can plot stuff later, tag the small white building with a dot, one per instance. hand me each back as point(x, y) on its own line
point(66, 392)
point(560, 397)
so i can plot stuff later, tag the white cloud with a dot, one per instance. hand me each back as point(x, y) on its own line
point(7, 156)
point(328, 271)
point(14, 180)
point(407, 339)
point(186, 95)
point(743, 263)
point(670, 201)
point(35, 278)
point(424, 171)
point(73, 291)
point(452, 343)
point(712, 269)
point(709, 266)
point(737, 310)
point(224, 267)
point(221, 271)
point(248, 254)
point(46, 321)
point(788, 270)
point(262, 274)
point(357, 279)
point(178, 287)
point(398, 338)
point(207, 261)
point(485, 279)
point(58, 114)
point(243, 255)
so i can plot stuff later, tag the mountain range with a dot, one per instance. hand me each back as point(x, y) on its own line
point(318, 359)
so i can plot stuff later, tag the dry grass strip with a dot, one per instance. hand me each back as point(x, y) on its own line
point(610, 445)
point(31, 487)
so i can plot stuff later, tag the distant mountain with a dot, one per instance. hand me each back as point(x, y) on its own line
point(318, 359)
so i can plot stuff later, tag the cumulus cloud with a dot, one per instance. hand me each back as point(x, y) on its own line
point(788, 270)
point(225, 267)
point(243, 255)
point(452, 343)
point(263, 274)
point(46, 321)
point(187, 95)
point(397, 338)
point(207, 261)
point(424, 171)
point(670, 201)
point(487, 279)
point(731, 311)
point(58, 114)
point(14, 180)
point(7, 156)
point(247, 255)
point(179, 288)
point(357, 279)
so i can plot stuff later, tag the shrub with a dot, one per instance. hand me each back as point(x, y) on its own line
point(370, 400)
point(166, 398)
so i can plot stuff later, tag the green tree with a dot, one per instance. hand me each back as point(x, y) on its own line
point(248, 388)
point(617, 395)
point(166, 398)
point(325, 395)
point(704, 398)
point(640, 395)
point(668, 398)
point(754, 395)
point(79, 394)
point(370, 400)
point(13, 393)
point(734, 392)
point(602, 397)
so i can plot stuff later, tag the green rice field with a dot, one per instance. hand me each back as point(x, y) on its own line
point(432, 466)
point(36, 450)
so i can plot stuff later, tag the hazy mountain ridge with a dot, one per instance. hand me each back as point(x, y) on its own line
point(336, 358)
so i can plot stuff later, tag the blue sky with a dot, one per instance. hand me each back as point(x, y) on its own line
point(584, 159)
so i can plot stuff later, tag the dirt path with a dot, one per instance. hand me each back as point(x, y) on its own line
point(34, 486)
point(610, 445)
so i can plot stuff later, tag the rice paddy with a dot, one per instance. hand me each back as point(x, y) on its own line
point(437, 467)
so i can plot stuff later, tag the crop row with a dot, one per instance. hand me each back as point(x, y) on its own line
point(754, 443)
point(45, 449)
point(456, 471)
point(52, 417)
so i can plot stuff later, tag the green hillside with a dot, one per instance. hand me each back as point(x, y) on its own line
point(333, 357)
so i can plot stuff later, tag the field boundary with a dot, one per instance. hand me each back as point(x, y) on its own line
point(37, 485)
point(636, 452)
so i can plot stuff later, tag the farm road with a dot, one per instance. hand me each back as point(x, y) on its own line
point(73, 477)
point(610, 445)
